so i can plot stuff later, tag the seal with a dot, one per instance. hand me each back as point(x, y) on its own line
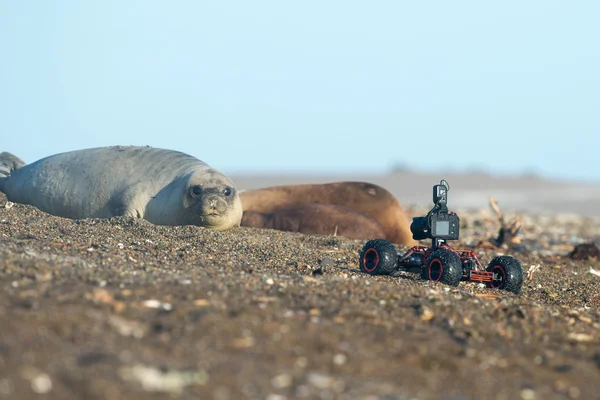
point(8, 163)
point(164, 187)
point(368, 198)
point(319, 219)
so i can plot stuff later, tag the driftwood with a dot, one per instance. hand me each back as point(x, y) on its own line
point(585, 251)
point(509, 231)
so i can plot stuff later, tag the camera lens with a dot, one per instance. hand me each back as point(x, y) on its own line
point(419, 228)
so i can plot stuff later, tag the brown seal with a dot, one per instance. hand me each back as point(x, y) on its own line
point(317, 219)
point(368, 198)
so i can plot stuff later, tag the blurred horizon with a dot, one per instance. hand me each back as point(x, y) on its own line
point(334, 88)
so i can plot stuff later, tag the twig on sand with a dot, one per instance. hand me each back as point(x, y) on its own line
point(531, 270)
point(490, 295)
point(509, 231)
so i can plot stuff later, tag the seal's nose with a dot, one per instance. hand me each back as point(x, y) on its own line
point(213, 205)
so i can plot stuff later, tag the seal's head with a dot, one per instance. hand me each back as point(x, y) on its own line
point(213, 199)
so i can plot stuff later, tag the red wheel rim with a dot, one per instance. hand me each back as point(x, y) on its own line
point(370, 260)
point(435, 269)
point(496, 283)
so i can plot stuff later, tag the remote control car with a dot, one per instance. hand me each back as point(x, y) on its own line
point(440, 262)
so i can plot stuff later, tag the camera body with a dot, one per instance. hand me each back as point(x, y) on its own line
point(439, 223)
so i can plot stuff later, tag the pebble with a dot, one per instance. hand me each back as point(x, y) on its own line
point(320, 381)
point(301, 362)
point(281, 381)
point(157, 304)
point(276, 397)
point(339, 359)
point(41, 384)
point(574, 392)
point(157, 380)
point(528, 394)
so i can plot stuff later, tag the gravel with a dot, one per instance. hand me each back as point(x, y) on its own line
point(121, 308)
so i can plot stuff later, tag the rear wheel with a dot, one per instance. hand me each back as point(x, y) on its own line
point(378, 257)
point(443, 266)
point(508, 274)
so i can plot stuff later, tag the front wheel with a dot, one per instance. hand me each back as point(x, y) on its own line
point(508, 274)
point(443, 266)
point(378, 257)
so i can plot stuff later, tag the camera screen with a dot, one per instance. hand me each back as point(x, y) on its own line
point(442, 228)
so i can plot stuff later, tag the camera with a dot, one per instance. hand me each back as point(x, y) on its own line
point(438, 223)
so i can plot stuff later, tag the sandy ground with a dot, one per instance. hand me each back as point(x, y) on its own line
point(122, 309)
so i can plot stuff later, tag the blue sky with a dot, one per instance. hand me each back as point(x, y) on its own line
point(312, 86)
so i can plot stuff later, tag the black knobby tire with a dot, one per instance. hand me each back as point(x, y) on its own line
point(509, 272)
point(378, 257)
point(443, 266)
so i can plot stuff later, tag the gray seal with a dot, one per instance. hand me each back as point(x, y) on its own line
point(164, 187)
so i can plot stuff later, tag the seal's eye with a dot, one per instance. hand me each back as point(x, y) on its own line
point(196, 190)
point(227, 192)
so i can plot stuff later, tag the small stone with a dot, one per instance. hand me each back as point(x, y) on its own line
point(157, 304)
point(574, 392)
point(275, 397)
point(41, 384)
point(281, 381)
point(320, 381)
point(580, 337)
point(339, 359)
point(302, 391)
point(243, 343)
point(426, 314)
point(201, 303)
point(5, 387)
point(327, 261)
point(155, 379)
point(528, 394)
point(301, 362)
point(127, 328)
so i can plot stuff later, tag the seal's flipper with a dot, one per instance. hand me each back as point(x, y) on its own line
point(125, 211)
